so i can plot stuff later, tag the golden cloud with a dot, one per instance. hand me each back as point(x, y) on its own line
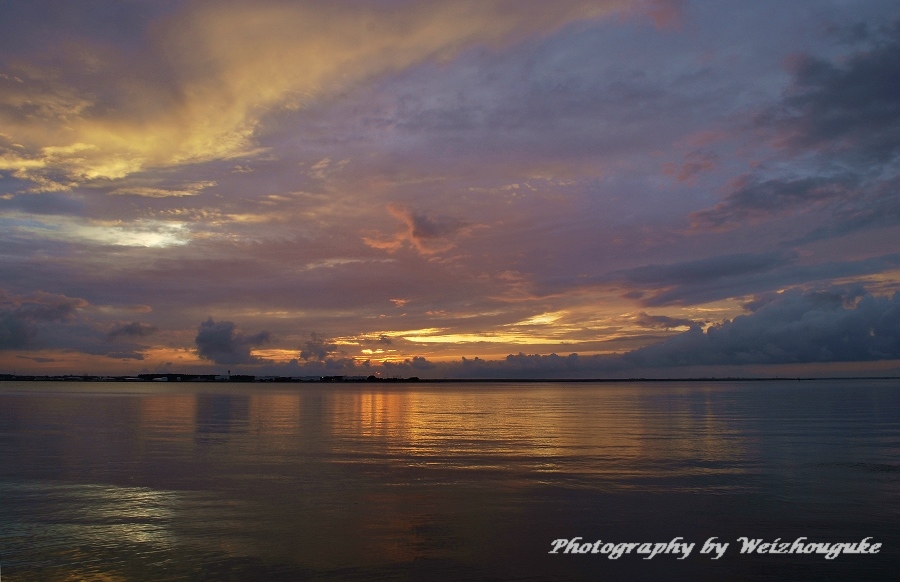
point(218, 67)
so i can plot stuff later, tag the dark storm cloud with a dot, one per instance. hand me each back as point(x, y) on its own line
point(41, 306)
point(317, 348)
point(21, 316)
point(48, 321)
point(794, 328)
point(133, 329)
point(408, 366)
point(218, 341)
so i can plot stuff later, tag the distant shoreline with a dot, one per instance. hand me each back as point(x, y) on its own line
point(248, 379)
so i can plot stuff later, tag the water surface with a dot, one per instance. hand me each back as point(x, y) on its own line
point(188, 481)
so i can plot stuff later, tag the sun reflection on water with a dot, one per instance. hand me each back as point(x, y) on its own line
point(292, 481)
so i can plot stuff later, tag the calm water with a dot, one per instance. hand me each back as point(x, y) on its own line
point(115, 482)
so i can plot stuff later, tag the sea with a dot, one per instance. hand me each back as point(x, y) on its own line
point(686, 480)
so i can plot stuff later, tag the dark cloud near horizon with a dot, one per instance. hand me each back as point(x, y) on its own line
point(38, 359)
point(21, 316)
point(317, 348)
point(218, 342)
point(794, 328)
point(832, 325)
point(409, 365)
point(50, 321)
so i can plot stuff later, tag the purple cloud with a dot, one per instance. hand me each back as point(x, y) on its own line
point(218, 342)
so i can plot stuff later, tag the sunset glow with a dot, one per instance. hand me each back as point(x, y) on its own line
point(466, 188)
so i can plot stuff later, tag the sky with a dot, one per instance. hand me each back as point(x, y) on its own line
point(452, 188)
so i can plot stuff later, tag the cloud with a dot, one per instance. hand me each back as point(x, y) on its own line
point(133, 329)
point(416, 364)
point(737, 275)
point(751, 199)
point(22, 316)
point(42, 306)
point(577, 100)
point(196, 85)
point(695, 164)
point(15, 332)
point(665, 13)
point(38, 359)
point(663, 322)
point(50, 321)
point(676, 283)
point(797, 327)
point(317, 348)
point(188, 189)
point(880, 208)
point(849, 107)
point(794, 327)
point(42, 203)
point(836, 127)
point(218, 341)
point(426, 234)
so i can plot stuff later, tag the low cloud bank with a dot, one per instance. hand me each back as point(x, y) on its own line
point(794, 327)
point(219, 342)
point(22, 316)
point(791, 328)
point(843, 325)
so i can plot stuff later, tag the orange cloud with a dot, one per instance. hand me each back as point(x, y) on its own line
point(426, 234)
point(218, 67)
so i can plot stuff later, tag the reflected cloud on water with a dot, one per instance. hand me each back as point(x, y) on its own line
point(318, 481)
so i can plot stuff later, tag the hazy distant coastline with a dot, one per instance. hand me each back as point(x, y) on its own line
point(246, 378)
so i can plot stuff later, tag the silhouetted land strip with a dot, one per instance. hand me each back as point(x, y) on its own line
point(243, 378)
